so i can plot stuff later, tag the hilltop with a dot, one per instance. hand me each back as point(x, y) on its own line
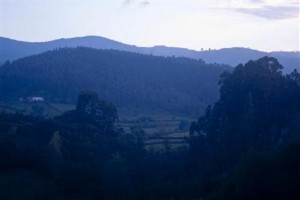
point(13, 49)
point(126, 79)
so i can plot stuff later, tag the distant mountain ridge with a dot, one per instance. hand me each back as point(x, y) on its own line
point(13, 49)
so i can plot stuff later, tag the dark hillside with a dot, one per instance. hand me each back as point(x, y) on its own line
point(126, 79)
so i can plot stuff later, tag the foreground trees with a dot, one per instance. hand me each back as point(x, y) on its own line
point(79, 155)
point(248, 147)
point(258, 112)
point(257, 104)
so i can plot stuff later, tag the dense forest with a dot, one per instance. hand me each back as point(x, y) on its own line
point(126, 79)
point(245, 146)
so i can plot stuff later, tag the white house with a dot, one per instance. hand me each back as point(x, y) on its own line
point(35, 99)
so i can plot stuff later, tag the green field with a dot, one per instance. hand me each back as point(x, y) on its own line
point(152, 122)
point(48, 110)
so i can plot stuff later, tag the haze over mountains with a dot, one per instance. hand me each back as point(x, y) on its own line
point(13, 49)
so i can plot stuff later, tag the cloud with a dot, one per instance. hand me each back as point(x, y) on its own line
point(271, 12)
point(142, 3)
point(268, 9)
point(257, 1)
point(127, 2)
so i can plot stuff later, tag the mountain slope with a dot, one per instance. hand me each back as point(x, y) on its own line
point(12, 49)
point(126, 79)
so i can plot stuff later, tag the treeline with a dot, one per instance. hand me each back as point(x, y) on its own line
point(78, 155)
point(252, 141)
point(126, 79)
point(246, 146)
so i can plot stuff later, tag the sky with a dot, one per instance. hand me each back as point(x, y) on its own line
point(268, 25)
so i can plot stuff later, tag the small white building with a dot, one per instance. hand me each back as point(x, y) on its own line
point(35, 99)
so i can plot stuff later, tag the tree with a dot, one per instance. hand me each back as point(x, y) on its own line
point(258, 108)
point(90, 109)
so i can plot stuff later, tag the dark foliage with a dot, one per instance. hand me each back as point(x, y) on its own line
point(79, 155)
point(245, 147)
point(126, 79)
point(258, 112)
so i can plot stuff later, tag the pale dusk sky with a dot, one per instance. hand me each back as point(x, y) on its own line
point(268, 25)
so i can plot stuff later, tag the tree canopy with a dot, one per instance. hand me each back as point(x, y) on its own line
point(258, 109)
point(245, 146)
point(126, 79)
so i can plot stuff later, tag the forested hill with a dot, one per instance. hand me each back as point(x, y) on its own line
point(13, 49)
point(126, 79)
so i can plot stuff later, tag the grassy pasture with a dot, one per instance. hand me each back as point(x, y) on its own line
point(152, 122)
